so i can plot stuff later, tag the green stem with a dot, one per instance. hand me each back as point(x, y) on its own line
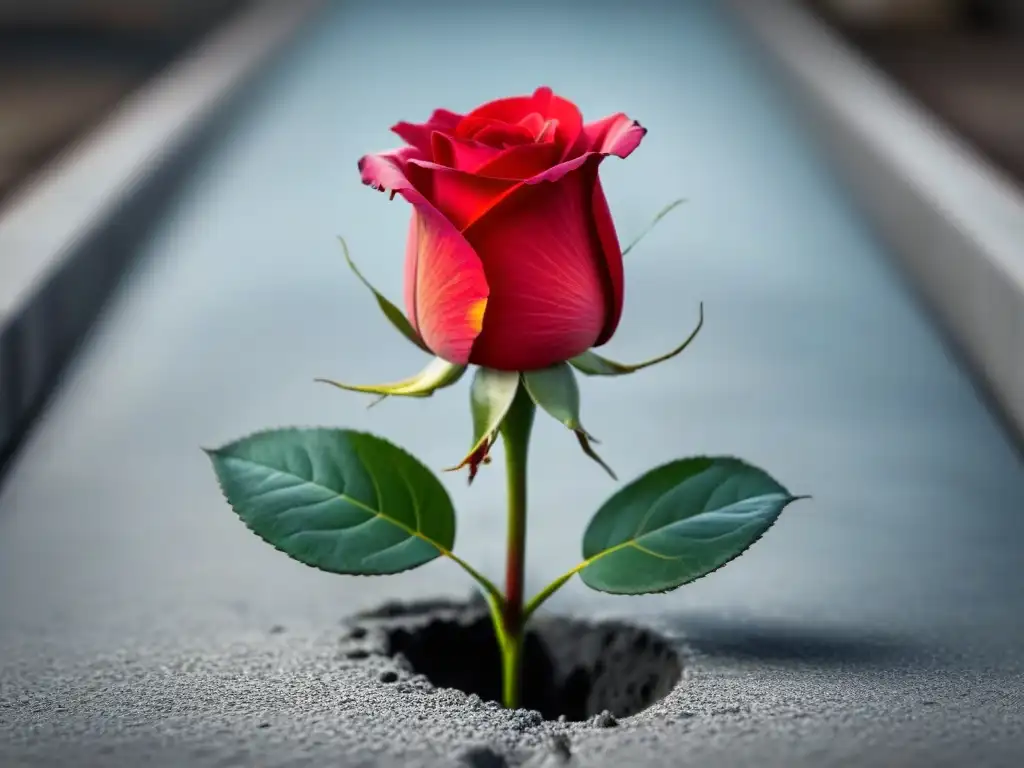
point(515, 431)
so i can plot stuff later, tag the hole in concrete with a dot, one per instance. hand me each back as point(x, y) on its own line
point(570, 668)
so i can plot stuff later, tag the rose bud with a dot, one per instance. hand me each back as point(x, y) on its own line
point(512, 261)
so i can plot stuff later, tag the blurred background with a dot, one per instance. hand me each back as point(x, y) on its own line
point(962, 59)
point(64, 64)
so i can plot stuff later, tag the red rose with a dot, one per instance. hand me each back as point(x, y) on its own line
point(512, 260)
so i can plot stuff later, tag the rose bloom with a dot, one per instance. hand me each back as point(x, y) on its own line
point(512, 260)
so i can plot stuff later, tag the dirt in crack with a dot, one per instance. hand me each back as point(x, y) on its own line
point(570, 668)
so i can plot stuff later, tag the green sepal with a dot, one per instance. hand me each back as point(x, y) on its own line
point(592, 364)
point(437, 375)
point(490, 397)
point(391, 312)
point(678, 523)
point(555, 390)
point(660, 215)
point(338, 500)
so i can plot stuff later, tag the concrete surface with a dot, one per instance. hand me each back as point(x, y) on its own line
point(880, 624)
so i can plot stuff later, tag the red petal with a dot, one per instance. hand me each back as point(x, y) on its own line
point(513, 109)
point(461, 154)
point(612, 251)
point(418, 134)
point(462, 197)
point(522, 162)
point(450, 292)
point(545, 265)
point(613, 135)
point(494, 133)
point(509, 111)
point(614, 138)
point(570, 121)
point(534, 123)
point(446, 290)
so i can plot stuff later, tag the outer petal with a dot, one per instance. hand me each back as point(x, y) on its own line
point(612, 252)
point(459, 196)
point(613, 135)
point(446, 290)
point(620, 142)
point(418, 134)
point(544, 263)
point(394, 167)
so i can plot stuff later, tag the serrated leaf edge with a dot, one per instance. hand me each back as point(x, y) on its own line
point(788, 499)
point(220, 453)
point(589, 561)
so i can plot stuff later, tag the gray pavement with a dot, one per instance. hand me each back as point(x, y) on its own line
point(879, 624)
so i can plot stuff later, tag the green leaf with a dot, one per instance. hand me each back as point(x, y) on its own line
point(592, 364)
point(490, 397)
point(338, 500)
point(677, 523)
point(391, 312)
point(555, 390)
point(661, 214)
point(437, 375)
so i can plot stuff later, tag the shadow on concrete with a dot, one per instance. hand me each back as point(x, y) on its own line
point(794, 643)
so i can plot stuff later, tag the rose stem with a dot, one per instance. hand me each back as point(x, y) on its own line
point(515, 431)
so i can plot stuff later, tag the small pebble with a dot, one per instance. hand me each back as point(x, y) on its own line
point(388, 676)
point(605, 720)
point(277, 629)
point(263, 725)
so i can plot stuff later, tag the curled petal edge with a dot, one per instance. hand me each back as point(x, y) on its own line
point(592, 364)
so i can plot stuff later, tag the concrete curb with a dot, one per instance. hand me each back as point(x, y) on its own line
point(955, 224)
point(67, 237)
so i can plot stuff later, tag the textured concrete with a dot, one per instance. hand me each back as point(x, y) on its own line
point(879, 624)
